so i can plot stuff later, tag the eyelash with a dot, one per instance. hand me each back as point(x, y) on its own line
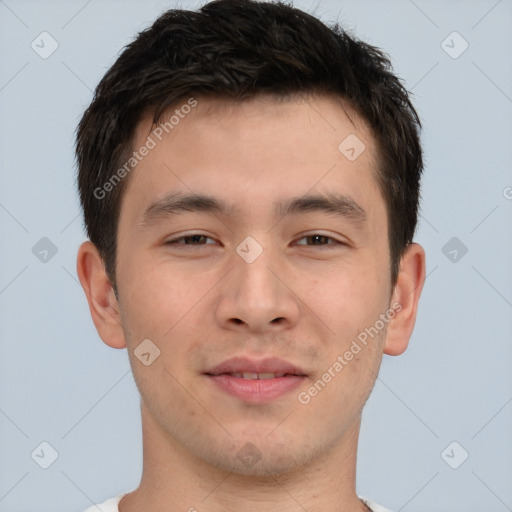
point(175, 241)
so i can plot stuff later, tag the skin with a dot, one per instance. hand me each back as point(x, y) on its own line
point(303, 299)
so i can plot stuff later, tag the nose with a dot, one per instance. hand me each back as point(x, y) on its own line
point(257, 297)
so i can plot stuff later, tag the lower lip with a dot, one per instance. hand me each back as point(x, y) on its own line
point(255, 390)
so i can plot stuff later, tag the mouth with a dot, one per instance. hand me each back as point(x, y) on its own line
point(256, 381)
point(256, 376)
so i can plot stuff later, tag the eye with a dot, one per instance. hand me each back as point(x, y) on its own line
point(194, 240)
point(318, 239)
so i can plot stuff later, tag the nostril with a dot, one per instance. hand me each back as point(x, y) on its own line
point(277, 320)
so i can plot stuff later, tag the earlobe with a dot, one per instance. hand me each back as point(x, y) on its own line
point(100, 295)
point(406, 293)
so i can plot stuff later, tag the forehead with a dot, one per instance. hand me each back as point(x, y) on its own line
point(261, 149)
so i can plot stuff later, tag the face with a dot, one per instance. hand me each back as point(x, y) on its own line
point(278, 270)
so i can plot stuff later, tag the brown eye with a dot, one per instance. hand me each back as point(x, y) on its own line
point(318, 239)
point(189, 240)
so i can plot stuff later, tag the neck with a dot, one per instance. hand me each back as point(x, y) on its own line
point(174, 479)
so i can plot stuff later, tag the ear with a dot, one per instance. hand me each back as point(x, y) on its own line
point(100, 295)
point(406, 294)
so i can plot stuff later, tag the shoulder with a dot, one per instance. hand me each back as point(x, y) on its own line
point(110, 505)
point(374, 507)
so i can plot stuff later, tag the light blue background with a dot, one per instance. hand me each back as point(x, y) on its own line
point(59, 383)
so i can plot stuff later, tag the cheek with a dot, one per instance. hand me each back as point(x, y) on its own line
point(349, 374)
point(348, 298)
point(171, 308)
point(157, 297)
point(350, 303)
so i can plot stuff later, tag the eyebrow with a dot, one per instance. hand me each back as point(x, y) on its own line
point(178, 202)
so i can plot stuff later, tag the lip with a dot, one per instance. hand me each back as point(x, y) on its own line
point(256, 390)
point(267, 365)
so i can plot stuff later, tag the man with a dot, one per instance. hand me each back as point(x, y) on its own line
point(250, 182)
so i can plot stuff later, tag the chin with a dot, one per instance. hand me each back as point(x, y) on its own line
point(258, 458)
point(268, 467)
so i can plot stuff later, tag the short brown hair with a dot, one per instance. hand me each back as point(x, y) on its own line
point(237, 49)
